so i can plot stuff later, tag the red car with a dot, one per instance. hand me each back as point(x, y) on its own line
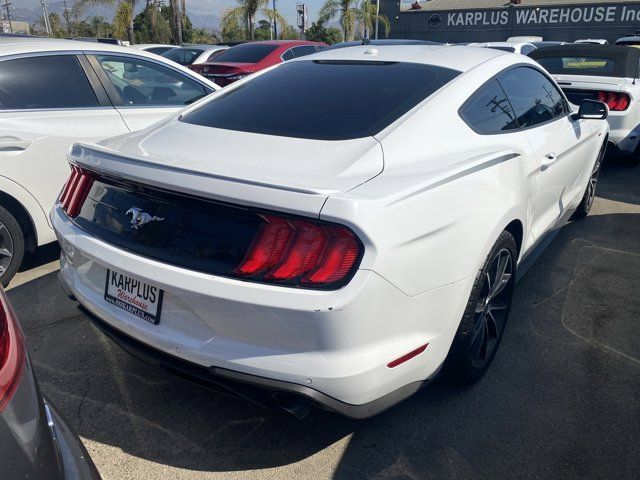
point(247, 58)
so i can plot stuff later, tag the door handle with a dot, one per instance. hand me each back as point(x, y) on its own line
point(12, 144)
point(549, 159)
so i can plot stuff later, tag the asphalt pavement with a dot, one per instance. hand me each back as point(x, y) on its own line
point(562, 399)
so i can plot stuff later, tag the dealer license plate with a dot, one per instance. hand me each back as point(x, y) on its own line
point(134, 296)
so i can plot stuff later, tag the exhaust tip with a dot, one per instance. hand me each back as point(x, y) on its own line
point(296, 406)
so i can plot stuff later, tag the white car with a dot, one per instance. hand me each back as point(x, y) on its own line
point(512, 47)
point(194, 54)
point(610, 74)
point(53, 92)
point(631, 41)
point(592, 41)
point(338, 253)
point(157, 48)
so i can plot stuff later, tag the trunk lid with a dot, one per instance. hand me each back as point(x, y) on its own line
point(294, 164)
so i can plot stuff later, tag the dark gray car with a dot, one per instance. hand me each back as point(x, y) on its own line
point(35, 443)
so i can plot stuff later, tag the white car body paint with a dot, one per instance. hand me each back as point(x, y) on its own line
point(427, 197)
point(34, 142)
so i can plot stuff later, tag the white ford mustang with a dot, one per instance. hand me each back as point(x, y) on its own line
point(337, 241)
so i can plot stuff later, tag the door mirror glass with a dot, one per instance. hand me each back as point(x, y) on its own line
point(593, 110)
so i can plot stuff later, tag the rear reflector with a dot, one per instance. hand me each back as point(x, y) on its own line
point(616, 101)
point(12, 352)
point(407, 356)
point(76, 190)
point(300, 252)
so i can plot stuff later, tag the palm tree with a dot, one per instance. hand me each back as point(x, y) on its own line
point(367, 17)
point(346, 10)
point(245, 14)
point(123, 20)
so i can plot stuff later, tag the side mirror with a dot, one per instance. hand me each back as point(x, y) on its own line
point(593, 110)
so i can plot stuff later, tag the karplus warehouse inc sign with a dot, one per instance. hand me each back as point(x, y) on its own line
point(566, 22)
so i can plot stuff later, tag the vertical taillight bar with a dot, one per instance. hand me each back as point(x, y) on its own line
point(76, 190)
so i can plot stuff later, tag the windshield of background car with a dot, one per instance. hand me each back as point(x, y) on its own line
point(323, 99)
point(247, 53)
point(571, 65)
point(183, 56)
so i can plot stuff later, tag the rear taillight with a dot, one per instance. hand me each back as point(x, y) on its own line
point(76, 190)
point(300, 252)
point(12, 352)
point(616, 101)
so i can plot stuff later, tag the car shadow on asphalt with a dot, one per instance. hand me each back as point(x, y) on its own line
point(561, 399)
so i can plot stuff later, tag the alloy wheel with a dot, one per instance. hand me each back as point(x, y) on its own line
point(6, 248)
point(492, 308)
point(593, 183)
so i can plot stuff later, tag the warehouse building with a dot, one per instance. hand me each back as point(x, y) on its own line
point(495, 20)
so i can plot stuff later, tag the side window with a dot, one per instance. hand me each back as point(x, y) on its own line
point(303, 50)
point(141, 83)
point(527, 49)
point(534, 98)
point(288, 55)
point(44, 82)
point(488, 110)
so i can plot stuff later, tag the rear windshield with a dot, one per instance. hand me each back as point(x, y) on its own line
point(183, 56)
point(326, 100)
point(571, 65)
point(248, 53)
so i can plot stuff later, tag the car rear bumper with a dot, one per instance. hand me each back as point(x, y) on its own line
point(266, 392)
point(331, 347)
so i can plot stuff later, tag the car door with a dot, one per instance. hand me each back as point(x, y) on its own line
point(48, 101)
point(145, 91)
point(562, 145)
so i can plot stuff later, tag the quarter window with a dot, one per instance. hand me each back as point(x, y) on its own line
point(288, 55)
point(141, 83)
point(488, 111)
point(534, 98)
point(56, 81)
point(304, 50)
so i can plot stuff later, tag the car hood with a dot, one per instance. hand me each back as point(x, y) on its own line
point(304, 165)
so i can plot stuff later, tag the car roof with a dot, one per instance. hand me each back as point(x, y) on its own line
point(384, 41)
point(15, 45)
point(18, 46)
point(283, 42)
point(499, 44)
point(635, 38)
point(456, 57)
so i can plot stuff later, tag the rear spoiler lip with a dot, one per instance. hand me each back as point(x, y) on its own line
point(87, 155)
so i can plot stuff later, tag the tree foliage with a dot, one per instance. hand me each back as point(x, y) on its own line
point(318, 32)
point(243, 18)
point(355, 16)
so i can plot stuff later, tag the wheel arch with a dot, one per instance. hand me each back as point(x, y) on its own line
point(24, 219)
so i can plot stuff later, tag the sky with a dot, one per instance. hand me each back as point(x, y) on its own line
point(286, 7)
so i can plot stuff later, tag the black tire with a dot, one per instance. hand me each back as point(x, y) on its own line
point(590, 192)
point(466, 363)
point(11, 246)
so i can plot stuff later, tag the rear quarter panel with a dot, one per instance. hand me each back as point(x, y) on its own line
point(444, 196)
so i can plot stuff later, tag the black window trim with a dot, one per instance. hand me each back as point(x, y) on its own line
point(565, 102)
point(290, 49)
point(99, 92)
point(110, 89)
